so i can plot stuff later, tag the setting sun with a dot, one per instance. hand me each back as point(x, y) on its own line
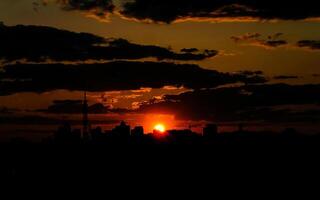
point(160, 127)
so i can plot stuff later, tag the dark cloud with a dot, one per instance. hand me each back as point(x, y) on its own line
point(66, 106)
point(24, 120)
point(76, 107)
point(315, 75)
point(273, 41)
point(251, 77)
point(167, 11)
point(36, 43)
point(281, 115)
point(170, 10)
point(190, 50)
point(245, 37)
point(99, 8)
point(5, 110)
point(254, 102)
point(309, 44)
point(251, 73)
point(114, 76)
point(285, 77)
point(103, 5)
point(46, 120)
point(255, 39)
point(137, 51)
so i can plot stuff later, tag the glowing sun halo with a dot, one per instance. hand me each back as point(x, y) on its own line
point(160, 127)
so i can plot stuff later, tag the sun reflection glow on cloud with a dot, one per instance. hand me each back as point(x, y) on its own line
point(131, 99)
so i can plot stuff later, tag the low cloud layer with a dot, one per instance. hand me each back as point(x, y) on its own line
point(37, 43)
point(115, 76)
point(253, 103)
point(76, 107)
point(285, 77)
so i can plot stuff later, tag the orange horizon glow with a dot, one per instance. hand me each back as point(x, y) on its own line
point(151, 122)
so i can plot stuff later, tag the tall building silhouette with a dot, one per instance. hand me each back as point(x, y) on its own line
point(85, 118)
point(123, 130)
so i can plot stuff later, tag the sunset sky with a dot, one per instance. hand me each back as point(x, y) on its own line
point(231, 42)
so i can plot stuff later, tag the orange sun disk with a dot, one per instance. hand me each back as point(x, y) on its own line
point(160, 127)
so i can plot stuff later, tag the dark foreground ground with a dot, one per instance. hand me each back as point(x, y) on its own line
point(229, 159)
point(237, 165)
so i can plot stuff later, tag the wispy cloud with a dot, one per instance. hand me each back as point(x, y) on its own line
point(256, 39)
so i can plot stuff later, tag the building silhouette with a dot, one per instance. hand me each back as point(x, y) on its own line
point(96, 133)
point(241, 127)
point(210, 130)
point(123, 130)
point(138, 131)
point(65, 134)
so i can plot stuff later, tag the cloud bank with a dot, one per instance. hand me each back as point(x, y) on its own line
point(39, 44)
point(168, 11)
point(309, 44)
point(252, 102)
point(115, 76)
